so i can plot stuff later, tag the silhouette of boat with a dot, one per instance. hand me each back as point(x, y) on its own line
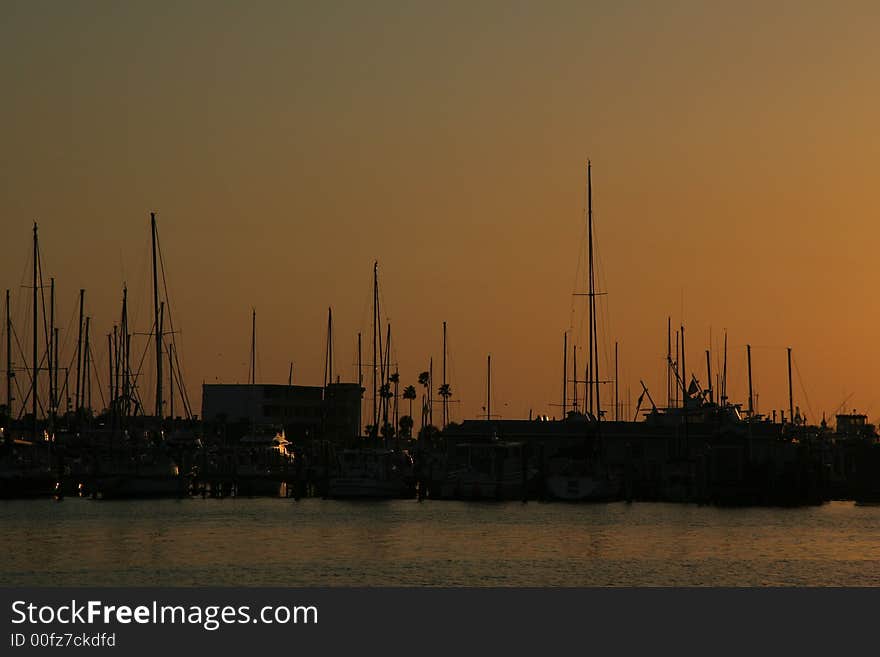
point(496, 470)
point(262, 462)
point(372, 473)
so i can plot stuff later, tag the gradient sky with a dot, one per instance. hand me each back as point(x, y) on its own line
point(287, 145)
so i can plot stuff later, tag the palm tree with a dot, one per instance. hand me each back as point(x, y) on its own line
point(446, 392)
point(410, 393)
point(424, 381)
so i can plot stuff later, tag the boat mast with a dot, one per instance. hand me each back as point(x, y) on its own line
point(9, 374)
point(328, 352)
point(51, 357)
point(253, 370)
point(54, 374)
point(253, 367)
point(709, 375)
point(375, 347)
point(574, 352)
point(35, 335)
point(749, 357)
point(684, 385)
point(790, 396)
point(590, 290)
point(76, 397)
point(489, 386)
point(87, 369)
point(161, 332)
point(445, 397)
point(171, 380)
point(595, 402)
point(156, 320)
point(668, 362)
point(564, 374)
point(126, 343)
point(616, 411)
point(385, 374)
point(111, 406)
point(724, 373)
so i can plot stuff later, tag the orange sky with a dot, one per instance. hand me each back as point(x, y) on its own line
point(286, 146)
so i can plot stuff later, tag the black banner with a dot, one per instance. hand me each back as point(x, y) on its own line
point(173, 621)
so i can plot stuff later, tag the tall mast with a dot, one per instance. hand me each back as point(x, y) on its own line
point(87, 369)
point(375, 347)
point(35, 336)
point(117, 340)
point(431, 390)
point(360, 383)
point(9, 374)
point(724, 373)
point(123, 327)
point(111, 405)
point(489, 386)
point(49, 348)
point(749, 357)
point(616, 411)
point(790, 396)
point(156, 320)
point(385, 375)
point(171, 379)
point(684, 384)
point(709, 375)
point(54, 374)
point(76, 398)
point(328, 353)
point(445, 407)
point(575, 357)
point(564, 374)
point(668, 362)
point(161, 332)
point(591, 291)
point(253, 368)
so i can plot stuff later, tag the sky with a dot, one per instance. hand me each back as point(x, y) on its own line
point(286, 146)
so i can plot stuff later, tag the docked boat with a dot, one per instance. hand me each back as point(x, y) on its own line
point(577, 481)
point(496, 470)
point(372, 473)
point(262, 462)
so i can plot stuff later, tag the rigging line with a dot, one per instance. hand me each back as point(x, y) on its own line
point(803, 388)
point(170, 316)
point(43, 298)
point(97, 367)
point(68, 332)
point(184, 395)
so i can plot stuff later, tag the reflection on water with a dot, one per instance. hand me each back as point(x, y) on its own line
point(404, 543)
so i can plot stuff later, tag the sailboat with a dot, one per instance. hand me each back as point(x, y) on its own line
point(584, 477)
point(142, 466)
point(375, 471)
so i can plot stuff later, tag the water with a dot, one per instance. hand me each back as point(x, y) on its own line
point(262, 542)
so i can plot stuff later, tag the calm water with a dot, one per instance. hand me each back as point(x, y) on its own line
point(405, 543)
